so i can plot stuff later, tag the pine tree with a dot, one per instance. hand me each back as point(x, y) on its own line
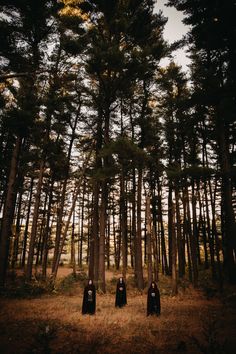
point(216, 91)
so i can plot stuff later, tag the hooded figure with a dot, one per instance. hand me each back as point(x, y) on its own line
point(89, 299)
point(153, 300)
point(120, 293)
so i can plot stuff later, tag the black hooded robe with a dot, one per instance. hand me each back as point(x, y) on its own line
point(153, 301)
point(89, 300)
point(120, 294)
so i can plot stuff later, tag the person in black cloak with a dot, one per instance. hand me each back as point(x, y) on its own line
point(153, 300)
point(89, 299)
point(120, 293)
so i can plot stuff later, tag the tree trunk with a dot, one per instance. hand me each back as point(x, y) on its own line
point(174, 254)
point(165, 268)
point(102, 238)
point(195, 224)
point(108, 241)
point(18, 229)
point(202, 227)
point(72, 259)
point(8, 213)
point(170, 228)
point(116, 255)
point(41, 233)
point(210, 236)
point(192, 242)
point(229, 241)
point(123, 225)
point(138, 239)
point(149, 244)
point(93, 247)
point(133, 221)
point(27, 224)
point(186, 230)
point(216, 237)
point(180, 242)
point(28, 273)
point(47, 233)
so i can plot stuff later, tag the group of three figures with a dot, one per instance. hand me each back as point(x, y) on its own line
point(89, 299)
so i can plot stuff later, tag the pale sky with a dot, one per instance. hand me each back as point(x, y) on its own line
point(174, 30)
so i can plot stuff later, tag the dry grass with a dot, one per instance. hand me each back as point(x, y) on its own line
point(54, 324)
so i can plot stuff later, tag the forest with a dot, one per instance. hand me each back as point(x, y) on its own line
point(116, 164)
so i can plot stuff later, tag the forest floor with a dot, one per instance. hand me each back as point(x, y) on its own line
point(194, 321)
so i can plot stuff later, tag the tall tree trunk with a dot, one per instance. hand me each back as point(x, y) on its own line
point(174, 254)
point(88, 235)
point(123, 222)
point(192, 242)
point(116, 255)
point(80, 240)
point(18, 229)
point(72, 259)
point(108, 241)
point(138, 239)
point(149, 244)
point(202, 228)
point(155, 254)
point(186, 231)
point(102, 238)
point(180, 241)
point(79, 233)
point(41, 232)
point(27, 223)
point(229, 241)
point(47, 233)
point(210, 236)
point(28, 272)
point(154, 234)
point(195, 224)
point(93, 257)
point(8, 212)
point(170, 228)
point(165, 268)
point(133, 219)
point(104, 197)
point(216, 237)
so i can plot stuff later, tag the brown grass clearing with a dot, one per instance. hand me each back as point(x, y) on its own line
point(54, 324)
